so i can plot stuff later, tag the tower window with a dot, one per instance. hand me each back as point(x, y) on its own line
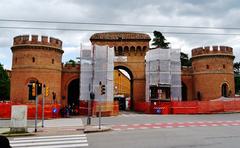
point(33, 59)
point(52, 61)
point(224, 66)
point(207, 66)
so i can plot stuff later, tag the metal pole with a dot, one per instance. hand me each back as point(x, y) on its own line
point(89, 118)
point(36, 113)
point(44, 92)
point(100, 114)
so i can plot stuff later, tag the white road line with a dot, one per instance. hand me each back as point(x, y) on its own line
point(51, 139)
point(117, 129)
point(123, 125)
point(49, 143)
point(41, 137)
point(181, 126)
point(130, 128)
point(60, 146)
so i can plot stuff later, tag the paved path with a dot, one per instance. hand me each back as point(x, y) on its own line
point(62, 141)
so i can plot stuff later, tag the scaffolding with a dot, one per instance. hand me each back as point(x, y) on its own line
point(96, 70)
point(86, 74)
point(163, 74)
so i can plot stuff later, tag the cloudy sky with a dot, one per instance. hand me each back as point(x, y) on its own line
point(221, 14)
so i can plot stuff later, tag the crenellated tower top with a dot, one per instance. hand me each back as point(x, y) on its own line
point(212, 50)
point(34, 40)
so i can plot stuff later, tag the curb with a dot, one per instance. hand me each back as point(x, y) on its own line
point(95, 129)
point(18, 135)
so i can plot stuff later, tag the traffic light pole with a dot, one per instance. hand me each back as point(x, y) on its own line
point(43, 102)
point(36, 113)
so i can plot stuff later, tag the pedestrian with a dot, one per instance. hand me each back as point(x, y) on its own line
point(4, 142)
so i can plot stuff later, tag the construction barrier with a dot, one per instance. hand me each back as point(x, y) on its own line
point(188, 107)
point(50, 110)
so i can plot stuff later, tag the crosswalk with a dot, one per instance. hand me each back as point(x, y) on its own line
point(61, 141)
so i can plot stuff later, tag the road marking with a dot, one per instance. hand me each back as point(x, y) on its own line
point(176, 125)
point(63, 141)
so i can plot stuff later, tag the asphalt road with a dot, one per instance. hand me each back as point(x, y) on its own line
point(217, 136)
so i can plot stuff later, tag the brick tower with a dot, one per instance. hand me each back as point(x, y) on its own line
point(213, 75)
point(35, 60)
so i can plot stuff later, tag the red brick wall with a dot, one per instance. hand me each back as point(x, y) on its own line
point(69, 74)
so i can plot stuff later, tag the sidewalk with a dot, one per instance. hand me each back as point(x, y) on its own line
point(58, 126)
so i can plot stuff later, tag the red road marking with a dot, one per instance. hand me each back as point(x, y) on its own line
point(176, 125)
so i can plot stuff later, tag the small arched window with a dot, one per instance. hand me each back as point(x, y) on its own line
point(52, 61)
point(33, 59)
point(224, 66)
point(207, 66)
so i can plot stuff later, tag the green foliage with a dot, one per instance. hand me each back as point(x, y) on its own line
point(236, 67)
point(72, 62)
point(159, 40)
point(4, 84)
point(185, 61)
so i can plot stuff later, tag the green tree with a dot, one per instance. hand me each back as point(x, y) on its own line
point(72, 62)
point(185, 61)
point(159, 40)
point(4, 84)
point(236, 68)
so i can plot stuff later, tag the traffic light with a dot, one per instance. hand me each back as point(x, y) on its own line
point(103, 89)
point(39, 88)
point(33, 89)
point(46, 91)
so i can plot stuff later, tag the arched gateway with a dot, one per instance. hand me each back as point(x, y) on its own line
point(130, 50)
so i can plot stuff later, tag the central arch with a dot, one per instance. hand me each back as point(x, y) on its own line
point(73, 94)
point(121, 67)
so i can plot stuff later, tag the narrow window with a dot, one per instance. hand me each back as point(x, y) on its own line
point(224, 66)
point(52, 61)
point(207, 66)
point(33, 59)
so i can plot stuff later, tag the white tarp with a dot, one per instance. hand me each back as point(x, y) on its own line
point(163, 66)
point(99, 67)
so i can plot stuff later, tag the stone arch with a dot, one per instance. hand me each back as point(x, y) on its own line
point(224, 90)
point(130, 72)
point(184, 92)
point(73, 91)
point(30, 79)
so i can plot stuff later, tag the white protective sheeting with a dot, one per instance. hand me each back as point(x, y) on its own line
point(86, 72)
point(163, 66)
point(96, 68)
point(103, 72)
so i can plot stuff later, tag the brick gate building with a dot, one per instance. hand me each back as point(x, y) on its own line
point(210, 77)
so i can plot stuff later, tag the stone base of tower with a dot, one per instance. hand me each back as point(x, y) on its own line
point(93, 108)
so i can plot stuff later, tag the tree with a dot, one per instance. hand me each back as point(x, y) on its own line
point(72, 62)
point(236, 68)
point(185, 61)
point(159, 40)
point(4, 84)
